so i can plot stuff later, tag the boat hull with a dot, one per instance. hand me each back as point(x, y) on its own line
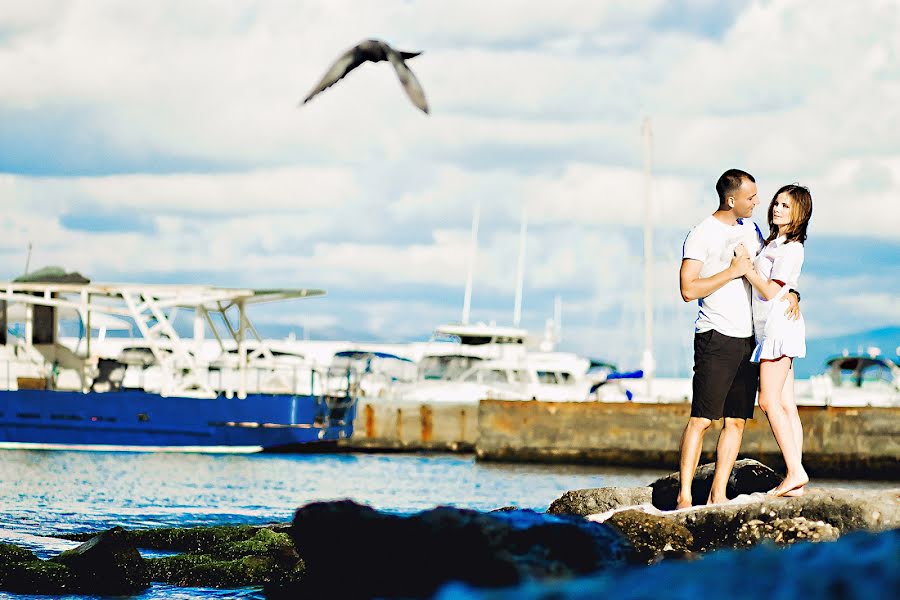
point(137, 421)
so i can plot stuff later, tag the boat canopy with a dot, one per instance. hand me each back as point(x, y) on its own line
point(152, 308)
point(181, 295)
point(481, 333)
point(17, 314)
point(364, 354)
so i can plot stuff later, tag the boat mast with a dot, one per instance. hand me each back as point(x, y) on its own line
point(27, 258)
point(520, 270)
point(647, 363)
point(473, 252)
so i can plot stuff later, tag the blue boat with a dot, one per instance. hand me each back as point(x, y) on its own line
point(162, 392)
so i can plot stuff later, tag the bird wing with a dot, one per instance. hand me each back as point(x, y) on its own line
point(348, 61)
point(410, 84)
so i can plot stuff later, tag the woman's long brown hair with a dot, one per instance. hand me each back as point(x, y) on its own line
point(801, 212)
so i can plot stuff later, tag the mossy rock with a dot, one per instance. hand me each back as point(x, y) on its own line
point(202, 570)
point(10, 553)
point(264, 543)
point(107, 564)
point(37, 577)
point(183, 539)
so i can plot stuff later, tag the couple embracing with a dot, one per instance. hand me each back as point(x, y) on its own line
point(749, 328)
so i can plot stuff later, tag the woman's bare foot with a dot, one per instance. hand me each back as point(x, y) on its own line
point(796, 492)
point(790, 483)
point(683, 502)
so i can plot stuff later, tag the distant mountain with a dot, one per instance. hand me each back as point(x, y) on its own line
point(818, 350)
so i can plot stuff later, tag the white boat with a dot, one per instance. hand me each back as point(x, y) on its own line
point(164, 393)
point(501, 379)
point(862, 379)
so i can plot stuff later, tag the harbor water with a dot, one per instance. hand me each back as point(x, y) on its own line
point(46, 493)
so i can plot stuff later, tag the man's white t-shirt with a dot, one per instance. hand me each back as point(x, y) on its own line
point(727, 310)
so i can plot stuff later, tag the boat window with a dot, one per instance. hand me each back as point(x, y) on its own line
point(475, 340)
point(520, 376)
point(877, 372)
point(547, 377)
point(472, 377)
point(494, 376)
point(445, 367)
point(856, 373)
point(565, 377)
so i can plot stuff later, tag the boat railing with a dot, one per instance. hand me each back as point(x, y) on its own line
point(20, 370)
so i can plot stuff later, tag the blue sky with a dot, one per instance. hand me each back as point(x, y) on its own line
point(164, 143)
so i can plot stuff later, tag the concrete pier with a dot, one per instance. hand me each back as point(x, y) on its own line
point(854, 442)
point(385, 425)
point(838, 442)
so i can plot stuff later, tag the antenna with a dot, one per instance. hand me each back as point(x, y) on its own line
point(557, 317)
point(473, 252)
point(520, 270)
point(27, 258)
point(647, 363)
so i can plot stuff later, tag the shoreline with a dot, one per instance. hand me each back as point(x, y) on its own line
point(583, 533)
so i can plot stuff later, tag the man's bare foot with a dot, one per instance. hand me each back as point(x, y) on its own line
point(791, 482)
point(716, 499)
point(683, 502)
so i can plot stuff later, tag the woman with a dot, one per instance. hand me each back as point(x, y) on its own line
point(780, 340)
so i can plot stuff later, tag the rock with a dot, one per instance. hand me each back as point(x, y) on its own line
point(107, 564)
point(38, 577)
point(861, 565)
point(747, 477)
point(413, 556)
point(203, 570)
point(785, 531)
point(265, 542)
point(10, 553)
point(718, 526)
point(598, 500)
point(187, 539)
point(652, 537)
point(267, 557)
point(22, 572)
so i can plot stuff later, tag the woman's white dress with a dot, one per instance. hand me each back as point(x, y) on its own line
point(776, 335)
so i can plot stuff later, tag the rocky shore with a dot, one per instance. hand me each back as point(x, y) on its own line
point(587, 543)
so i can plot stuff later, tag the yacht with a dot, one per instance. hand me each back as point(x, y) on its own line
point(501, 379)
point(870, 378)
point(165, 393)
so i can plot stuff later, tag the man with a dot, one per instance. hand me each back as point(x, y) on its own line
point(725, 381)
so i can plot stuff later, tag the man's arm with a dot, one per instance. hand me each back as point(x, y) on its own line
point(793, 309)
point(693, 286)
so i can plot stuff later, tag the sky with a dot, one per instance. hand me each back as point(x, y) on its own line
point(163, 142)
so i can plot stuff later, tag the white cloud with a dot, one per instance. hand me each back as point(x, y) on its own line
point(280, 189)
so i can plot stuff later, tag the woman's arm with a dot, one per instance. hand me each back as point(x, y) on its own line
point(768, 288)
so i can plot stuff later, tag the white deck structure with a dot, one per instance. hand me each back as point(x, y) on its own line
point(183, 365)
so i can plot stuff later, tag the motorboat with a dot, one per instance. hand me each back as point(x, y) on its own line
point(167, 392)
point(868, 378)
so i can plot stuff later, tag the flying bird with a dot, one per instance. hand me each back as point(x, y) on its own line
point(374, 51)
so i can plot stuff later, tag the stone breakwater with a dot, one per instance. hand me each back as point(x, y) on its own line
point(857, 443)
point(343, 549)
point(852, 442)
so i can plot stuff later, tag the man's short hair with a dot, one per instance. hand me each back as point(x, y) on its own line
point(729, 182)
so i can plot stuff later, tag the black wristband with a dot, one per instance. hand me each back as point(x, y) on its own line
point(795, 292)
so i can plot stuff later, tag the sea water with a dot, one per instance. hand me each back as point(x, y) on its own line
point(47, 493)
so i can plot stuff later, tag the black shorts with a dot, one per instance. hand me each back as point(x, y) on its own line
point(725, 381)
